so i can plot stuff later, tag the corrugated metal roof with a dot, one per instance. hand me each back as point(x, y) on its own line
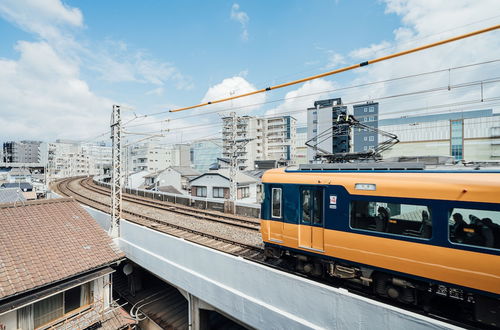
point(10, 195)
point(46, 241)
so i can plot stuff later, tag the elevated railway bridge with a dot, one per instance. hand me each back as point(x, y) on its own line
point(217, 263)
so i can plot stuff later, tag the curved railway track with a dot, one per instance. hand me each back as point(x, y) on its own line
point(219, 243)
point(238, 221)
point(250, 252)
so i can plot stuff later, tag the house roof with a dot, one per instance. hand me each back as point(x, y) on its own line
point(24, 186)
point(185, 170)
point(19, 171)
point(241, 178)
point(46, 241)
point(9, 195)
point(169, 189)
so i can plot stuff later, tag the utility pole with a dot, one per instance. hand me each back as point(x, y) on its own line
point(233, 147)
point(116, 188)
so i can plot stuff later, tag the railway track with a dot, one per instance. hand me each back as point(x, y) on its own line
point(199, 237)
point(214, 216)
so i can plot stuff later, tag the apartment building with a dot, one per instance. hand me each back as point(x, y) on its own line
point(71, 158)
point(153, 157)
point(23, 152)
point(260, 139)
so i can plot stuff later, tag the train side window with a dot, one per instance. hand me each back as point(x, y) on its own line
point(276, 203)
point(317, 207)
point(305, 202)
point(394, 218)
point(475, 227)
point(311, 202)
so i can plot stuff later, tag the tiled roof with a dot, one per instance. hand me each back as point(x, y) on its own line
point(46, 241)
point(9, 195)
point(185, 170)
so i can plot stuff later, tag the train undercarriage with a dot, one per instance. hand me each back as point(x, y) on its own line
point(435, 299)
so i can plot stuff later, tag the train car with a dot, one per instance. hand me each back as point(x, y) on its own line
point(428, 238)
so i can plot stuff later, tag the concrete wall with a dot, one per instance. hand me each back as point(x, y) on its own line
point(257, 295)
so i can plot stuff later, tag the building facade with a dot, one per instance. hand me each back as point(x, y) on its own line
point(22, 152)
point(465, 135)
point(153, 157)
point(204, 153)
point(265, 139)
point(367, 113)
point(321, 119)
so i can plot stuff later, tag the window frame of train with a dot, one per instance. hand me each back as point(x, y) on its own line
point(470, 229)
point(312, 203)
point(280, 208)
point(392, 222)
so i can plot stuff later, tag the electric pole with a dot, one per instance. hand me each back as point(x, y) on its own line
point(116, 188)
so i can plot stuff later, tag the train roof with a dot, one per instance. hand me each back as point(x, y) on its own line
point(441, 184)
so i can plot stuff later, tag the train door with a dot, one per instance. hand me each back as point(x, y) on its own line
point(311, 225)
point(276, 225)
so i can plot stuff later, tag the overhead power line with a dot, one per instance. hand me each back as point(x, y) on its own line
point(347, 68)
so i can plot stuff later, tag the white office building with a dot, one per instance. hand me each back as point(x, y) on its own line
point(464, 135)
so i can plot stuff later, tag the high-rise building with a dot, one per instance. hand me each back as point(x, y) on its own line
point(321, 119)
point(22, 152)
point(367, 114)
point(267, 139)
point(280, 136)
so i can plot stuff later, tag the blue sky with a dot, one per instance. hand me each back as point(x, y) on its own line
point(64, 63)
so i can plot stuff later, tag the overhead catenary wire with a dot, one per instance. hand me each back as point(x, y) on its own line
point(344, 69)
point(318, 92)
point(444, 88)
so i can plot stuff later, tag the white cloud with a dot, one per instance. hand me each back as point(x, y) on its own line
point(234, 86)
point(302, 98)
point(369, 52)
point(241, 17)
point(42, 17)
point(334, 59)
point(43, 95)
point(157, 91)
point(117, 63)
point(425, 22)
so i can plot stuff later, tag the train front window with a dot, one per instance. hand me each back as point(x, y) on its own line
point(311, 202)
point(276, 203)
point(475, 227)
point(394, 218)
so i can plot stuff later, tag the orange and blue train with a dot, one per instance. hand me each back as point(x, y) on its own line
point(421, 237)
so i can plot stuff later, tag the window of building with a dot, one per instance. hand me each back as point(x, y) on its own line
point(365, 148)
point(199, 191)
point(218, 192)
point(365, 109)
point(394, 218)
point(372, 109)
point(243, 192)
point(56, 306)
point(457, 141)
point(372, 138)
point(276, 203)
point(365, 138)
point(311, 202)
point(475, 227)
